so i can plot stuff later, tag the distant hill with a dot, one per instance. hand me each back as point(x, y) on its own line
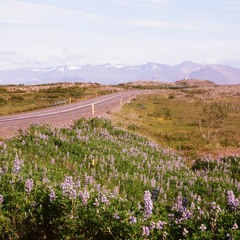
point(194, 82)
point(115, 74)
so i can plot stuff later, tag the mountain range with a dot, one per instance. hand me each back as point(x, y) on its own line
point(115, 74)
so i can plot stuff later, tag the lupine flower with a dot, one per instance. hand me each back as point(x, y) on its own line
point(104, 199)
point(148, 207)
point(160, 225)
point(96, 203)
point(3, 170)
point(203, 227)
point(145, 231)
point(152, 225)
point(16, 165)
point(29, 185)
point(52, 195)
point(235, 226)
point(84, 196)
point(132, 219)
point(67, 186)
point(45, 180)
point(1, 199)
point(232, 201)
point(73, 194)
point(116, 216)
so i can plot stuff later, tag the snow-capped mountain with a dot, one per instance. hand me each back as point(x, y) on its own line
point(114, 74)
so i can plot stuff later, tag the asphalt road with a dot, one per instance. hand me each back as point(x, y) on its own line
point(67, 114)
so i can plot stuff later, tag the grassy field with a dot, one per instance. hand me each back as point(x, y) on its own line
point(50, 188)
point(15, 99)
point(173, 120)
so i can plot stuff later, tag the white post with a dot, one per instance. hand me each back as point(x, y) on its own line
point(93, 109)
point(121, 101)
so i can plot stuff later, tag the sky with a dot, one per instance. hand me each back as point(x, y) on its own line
point(45, 33)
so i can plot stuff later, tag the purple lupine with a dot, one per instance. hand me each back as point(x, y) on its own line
point(232, 201)
point(160, 225)
point(145, 231)
point(96, 203)
point(235, 226)
point(116, 216)
point(73, 194)
point(52, 195)
point(84, 196)
point(1, 199)
point(29, 183)
point(16, 165)
point(203, 227)
point(104, 199)
point(45, 180)
point(152, 225)
point(78, 184)
point(148, 207)
point(67, 185)
point(132, 219)
point(3, 170)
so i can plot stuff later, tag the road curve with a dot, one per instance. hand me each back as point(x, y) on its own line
point(67, 114)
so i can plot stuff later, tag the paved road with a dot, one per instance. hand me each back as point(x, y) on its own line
point(65, 115)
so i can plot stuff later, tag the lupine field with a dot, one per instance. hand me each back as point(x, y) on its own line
point(95, 181)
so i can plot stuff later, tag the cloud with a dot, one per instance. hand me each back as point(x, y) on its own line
point(173, 25)
point(139, 2)
point(21, 12)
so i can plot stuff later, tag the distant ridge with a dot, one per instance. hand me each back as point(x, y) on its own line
point(115, 74)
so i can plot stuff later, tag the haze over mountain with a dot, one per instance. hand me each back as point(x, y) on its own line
point(114, 74)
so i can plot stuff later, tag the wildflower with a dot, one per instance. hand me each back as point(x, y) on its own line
point(84, 196)
point(116, 216)
point(96, 203)
point(52, 195)
point(1, 199)
point(67, 186)
point(145, 231)
point(3, 170)
point(203, 227)
point(132, 220)
point(232, 201)
point(160, 225)
point(104, 199)
point(148, 204)
point(152, 225)
point(185, 232)
point(16, 165)
point(235, 226)
point(45, 180)
point(29, 185)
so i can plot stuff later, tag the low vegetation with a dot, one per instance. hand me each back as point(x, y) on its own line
point(96, 181)
point(15, 99)
point(187, 121)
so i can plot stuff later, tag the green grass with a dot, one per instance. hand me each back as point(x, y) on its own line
point(173, 121)
point(26, 100)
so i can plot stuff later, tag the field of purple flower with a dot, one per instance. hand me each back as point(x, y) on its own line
point(95, 181)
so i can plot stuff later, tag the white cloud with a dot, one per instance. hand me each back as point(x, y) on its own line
point(139, 2)
point(174, 25)
point(22, 12)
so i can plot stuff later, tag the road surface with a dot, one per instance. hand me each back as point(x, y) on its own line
point(67, 114)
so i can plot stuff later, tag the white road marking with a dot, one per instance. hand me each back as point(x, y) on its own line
point(60, 111)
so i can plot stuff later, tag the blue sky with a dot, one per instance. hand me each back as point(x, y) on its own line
point(43, 33)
